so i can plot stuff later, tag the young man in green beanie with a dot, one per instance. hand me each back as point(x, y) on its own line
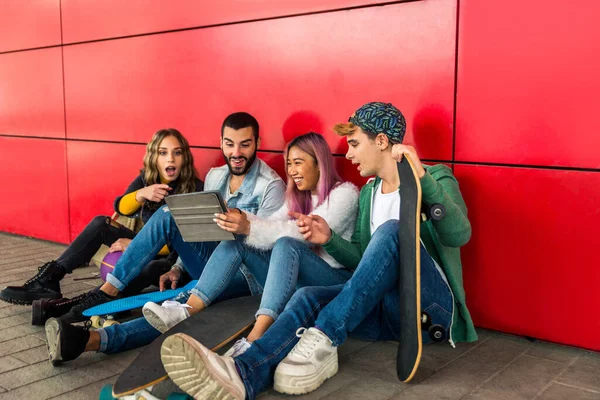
point(367, 306)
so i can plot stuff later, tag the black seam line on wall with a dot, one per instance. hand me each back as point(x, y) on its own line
point(455, 83)
point(62, 58)
point(387, 3)
point(529, 166)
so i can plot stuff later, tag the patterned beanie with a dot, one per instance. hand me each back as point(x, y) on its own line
point(377, 117)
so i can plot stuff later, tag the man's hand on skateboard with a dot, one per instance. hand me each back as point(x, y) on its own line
point(234, 221)
point(399, 150)
point(313, 228)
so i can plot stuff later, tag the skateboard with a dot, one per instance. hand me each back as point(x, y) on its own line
point(215, 327)
point(409, 273)
point(107, 314)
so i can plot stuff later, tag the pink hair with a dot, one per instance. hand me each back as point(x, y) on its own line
point(316, 146)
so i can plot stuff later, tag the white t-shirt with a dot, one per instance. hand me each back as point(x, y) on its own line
point(385, 207)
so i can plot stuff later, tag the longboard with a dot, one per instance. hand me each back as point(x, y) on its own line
point(133, 302)
point(409, 272)
point(215, 327)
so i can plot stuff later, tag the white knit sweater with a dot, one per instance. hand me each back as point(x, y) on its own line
point(339, 210)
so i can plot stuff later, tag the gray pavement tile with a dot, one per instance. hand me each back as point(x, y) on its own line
point(523, 379)
point(14, 320)
point(553, 352)
point(461, 376)
point(87, 392)
point(368, 387)
point(584, 373)
point(19, 344)
point(8, 363)
point(557, 391)
point(79, 377)
point(33, 355)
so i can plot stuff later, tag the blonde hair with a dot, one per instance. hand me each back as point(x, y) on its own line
point(188, 174)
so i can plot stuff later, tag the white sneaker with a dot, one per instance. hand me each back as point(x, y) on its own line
point(200, 372)
point(165, 316)
point(312, 360)
point(238, 348)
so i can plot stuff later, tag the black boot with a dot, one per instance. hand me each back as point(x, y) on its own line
point(65, 342)
point(44, 285)
point(85, 301)
point(44, 309)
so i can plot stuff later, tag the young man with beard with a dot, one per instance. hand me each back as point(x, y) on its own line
point(367, 305)
point(248, 185)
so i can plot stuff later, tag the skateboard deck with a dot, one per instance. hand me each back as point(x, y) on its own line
point(409, 272)
point(133, 302)
point(214, 327)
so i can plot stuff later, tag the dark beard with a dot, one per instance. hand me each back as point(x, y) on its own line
point(249, 163)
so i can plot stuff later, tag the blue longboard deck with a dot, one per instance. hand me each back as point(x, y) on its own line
point(133, 302)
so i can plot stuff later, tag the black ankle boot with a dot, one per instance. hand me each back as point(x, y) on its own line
point(44, 285)
point(44, 309)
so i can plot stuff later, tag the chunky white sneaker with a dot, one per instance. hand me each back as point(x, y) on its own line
point(200, 372)
point(312, 360)
point(165, 316)
point(238, 348)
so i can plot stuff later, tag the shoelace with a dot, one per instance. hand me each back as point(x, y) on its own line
point(89, 298)
point(308, 342)
point(76, 299)
point(174, 304)
point(240, 344)
point(41, 273)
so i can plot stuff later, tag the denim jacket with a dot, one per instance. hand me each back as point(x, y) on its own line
point(262, 191)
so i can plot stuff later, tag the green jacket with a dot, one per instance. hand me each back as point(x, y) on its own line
point(442, 239)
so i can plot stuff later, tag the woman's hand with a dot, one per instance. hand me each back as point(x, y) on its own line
point(172, 277)
point(156, 193)
point(119, 245)
point(313, 228)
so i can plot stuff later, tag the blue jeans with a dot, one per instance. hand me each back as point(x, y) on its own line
point(158, 231)
point(366, 307)
point(290, 264)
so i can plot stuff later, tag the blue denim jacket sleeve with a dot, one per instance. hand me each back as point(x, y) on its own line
point(273, 198)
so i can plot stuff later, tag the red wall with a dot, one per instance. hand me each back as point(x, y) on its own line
point(84, 88)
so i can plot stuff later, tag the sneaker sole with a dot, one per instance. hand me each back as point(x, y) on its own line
point(154, 320)
point(188, 368)
point(301, 385)
point(53, 341)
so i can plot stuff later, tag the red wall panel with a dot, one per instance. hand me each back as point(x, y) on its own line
point(31, 94)
point(34, 196)
point(528, 83)
point(87, 20)
point(29, 24)
point(309, 71)
point(531, 267)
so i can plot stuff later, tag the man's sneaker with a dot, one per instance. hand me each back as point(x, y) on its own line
point(83, 302)
point(165, 316)
point(312, 361)
point(65, 342)
point(44, 285)
point(238, 348)
point(200, 372)
point(42, 310)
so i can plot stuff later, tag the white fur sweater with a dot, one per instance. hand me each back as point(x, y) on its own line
point(339, 210)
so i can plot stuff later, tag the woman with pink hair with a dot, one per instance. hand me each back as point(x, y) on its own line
point(272, 250)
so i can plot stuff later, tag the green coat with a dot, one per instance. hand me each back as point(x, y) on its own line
point(442, 239)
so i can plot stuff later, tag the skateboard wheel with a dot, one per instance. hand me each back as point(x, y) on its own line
point(109, 322)
point(437, 211)
point(96, 322)
point(437, 333)
point(425, 321)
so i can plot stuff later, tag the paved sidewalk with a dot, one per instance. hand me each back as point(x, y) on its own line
point(496, 367)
